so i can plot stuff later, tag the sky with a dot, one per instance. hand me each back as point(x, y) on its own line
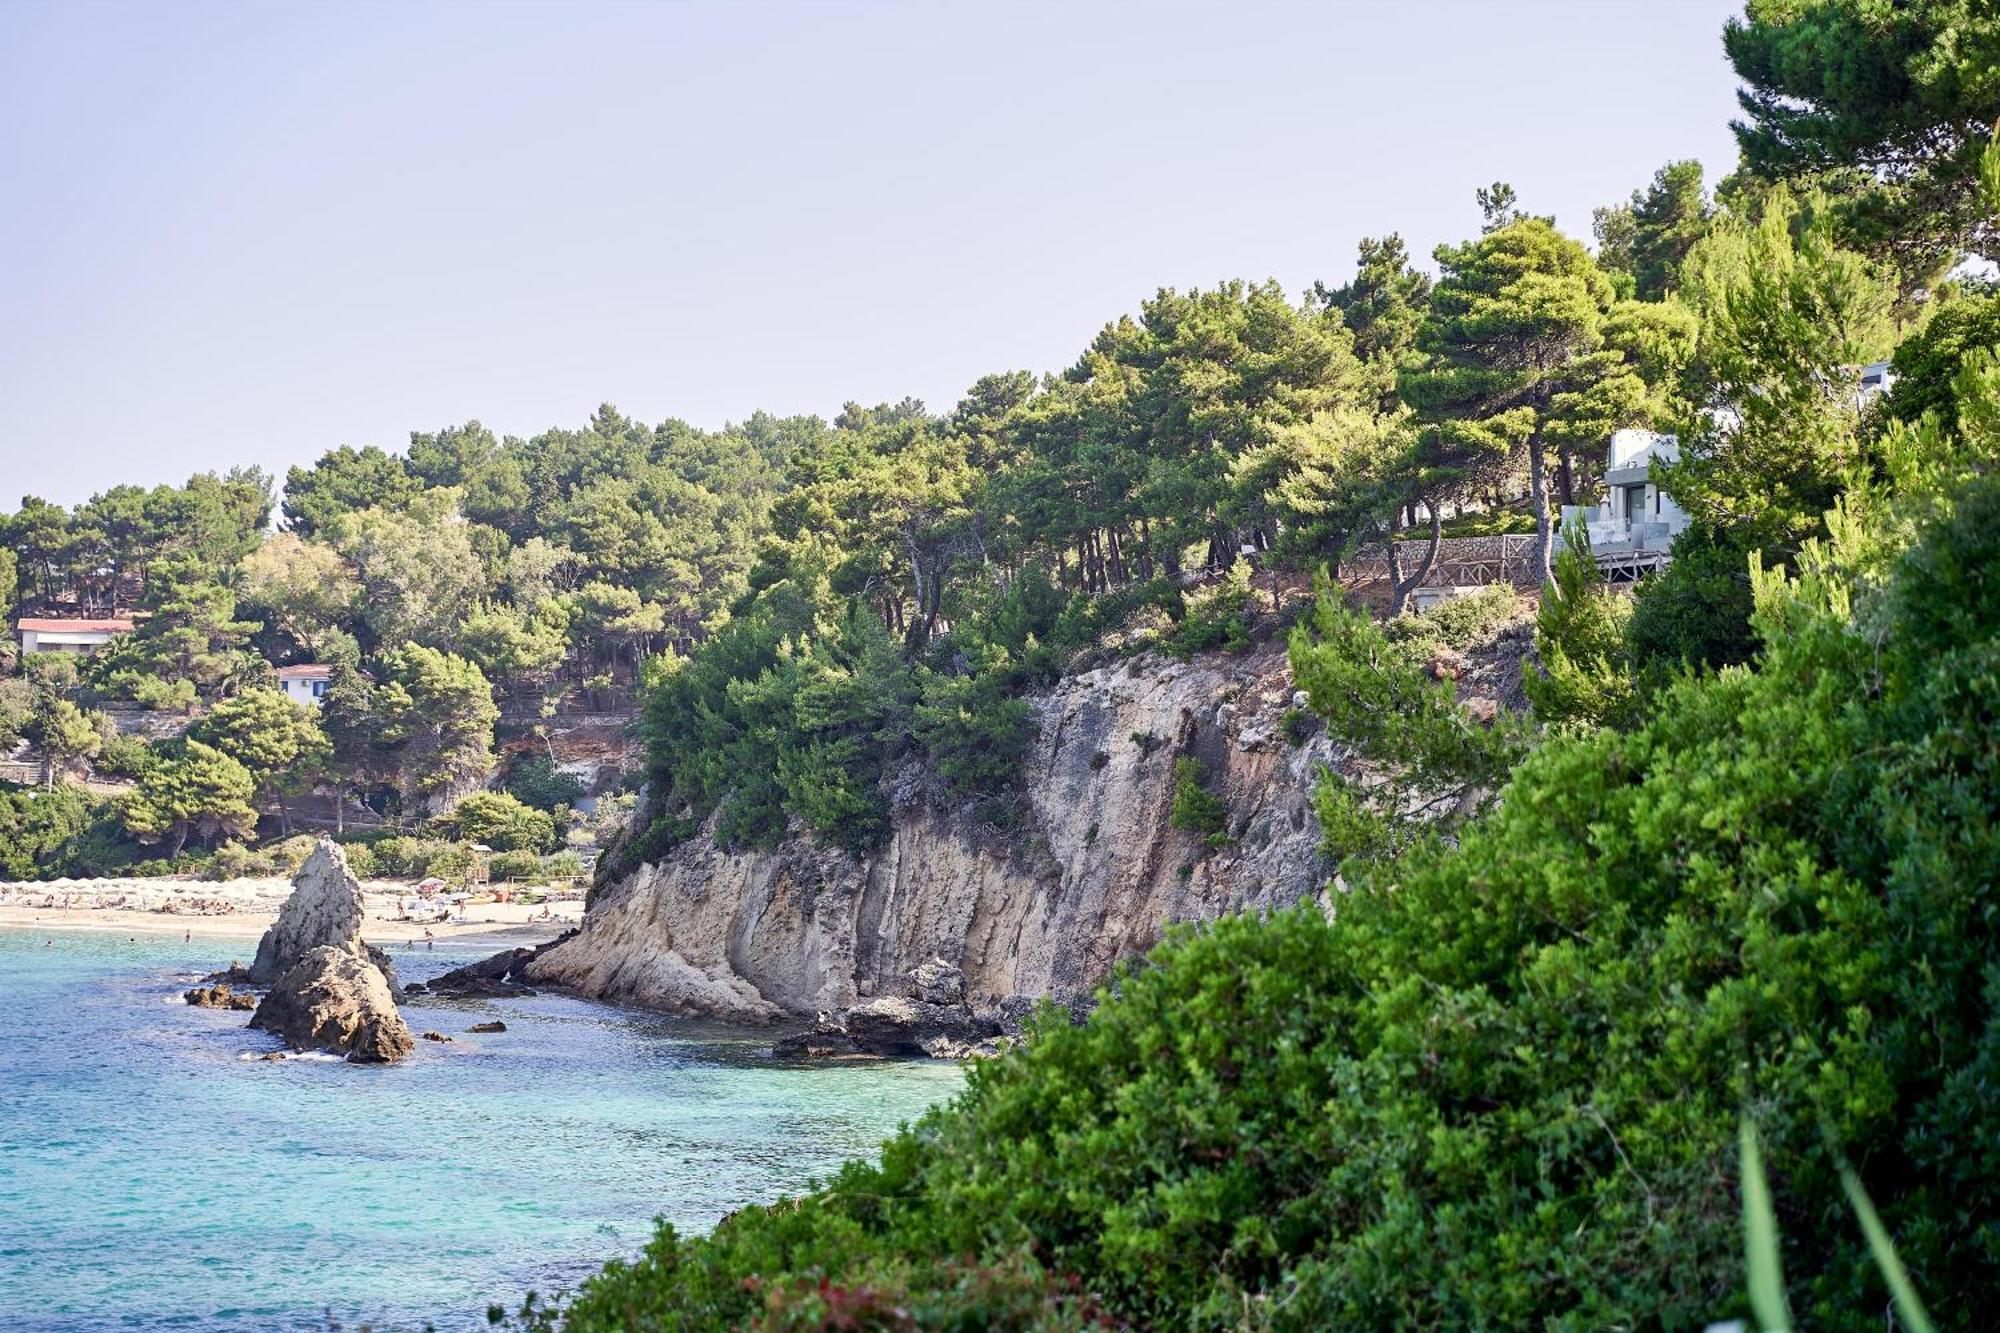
point(249, 233)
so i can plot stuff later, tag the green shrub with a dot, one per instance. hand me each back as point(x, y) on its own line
point(361, 859)
point(973, 732)
point(1457, 624)
point(1584, 671)
point(232, 860)
point(1196, 809)
point(503, 822)
point(515, 866)
point(39, 828)
point(120, 756)
point(1696, 611)
point(1297, 725)
point(1217, 618)
point(535, 780)
point(562, 865)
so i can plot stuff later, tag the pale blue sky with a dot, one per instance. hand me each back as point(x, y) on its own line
point(248, 233)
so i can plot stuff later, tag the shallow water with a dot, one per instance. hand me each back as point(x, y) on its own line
point(153, 1178)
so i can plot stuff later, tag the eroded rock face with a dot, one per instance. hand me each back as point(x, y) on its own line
point(1094, 874)
point(324, 911)
point(338, 1001)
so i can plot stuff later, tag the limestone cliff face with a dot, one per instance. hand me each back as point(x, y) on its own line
point(1092, 875)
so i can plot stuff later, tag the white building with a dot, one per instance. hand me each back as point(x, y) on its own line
point(82, 637)
point(305, 684)
point(1637, 521)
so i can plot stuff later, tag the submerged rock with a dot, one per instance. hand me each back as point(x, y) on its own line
point(495, 1026)
point(218, 997)
point(337, 1001)
point(433, 1036)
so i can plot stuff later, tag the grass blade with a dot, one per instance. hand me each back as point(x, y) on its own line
point(1760, 1241)
point(1900, 1288)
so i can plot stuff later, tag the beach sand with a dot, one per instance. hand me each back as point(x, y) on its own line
point(502, 925)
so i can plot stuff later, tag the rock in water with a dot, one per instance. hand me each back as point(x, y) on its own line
point(495, 1026)
point(218, 997)
point(324, 911)
point(338, 1001)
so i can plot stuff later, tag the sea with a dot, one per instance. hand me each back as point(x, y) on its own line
point(154, 1174)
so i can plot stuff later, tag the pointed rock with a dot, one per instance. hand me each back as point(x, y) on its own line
point(337, 1001)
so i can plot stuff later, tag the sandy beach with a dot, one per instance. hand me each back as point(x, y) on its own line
point(503, 924)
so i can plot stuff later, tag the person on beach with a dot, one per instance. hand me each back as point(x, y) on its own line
point(429, 942)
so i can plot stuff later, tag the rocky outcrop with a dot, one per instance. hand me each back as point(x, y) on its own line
point(329, 990)
point(324, 911)
point(218, 997)
point(338, 1001)
point(1092, 873)
point(497, 975)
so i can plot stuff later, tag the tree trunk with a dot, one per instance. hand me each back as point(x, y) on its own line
point(1399, 588)
point(1538, 494)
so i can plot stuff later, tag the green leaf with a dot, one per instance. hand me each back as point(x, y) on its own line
point(1760, 1241)
point(1879, 1245)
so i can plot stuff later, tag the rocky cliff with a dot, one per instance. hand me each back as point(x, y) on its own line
point(1093, 872)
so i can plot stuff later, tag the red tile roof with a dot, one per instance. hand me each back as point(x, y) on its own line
point(309, 671)
point(75, 626)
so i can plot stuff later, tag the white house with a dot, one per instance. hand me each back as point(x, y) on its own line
point(82, 637)
point(305, 684)
point(1636, 517)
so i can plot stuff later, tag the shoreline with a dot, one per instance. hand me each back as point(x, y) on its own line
point(504, 925)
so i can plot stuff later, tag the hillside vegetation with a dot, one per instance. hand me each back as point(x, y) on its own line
point(1739, 865)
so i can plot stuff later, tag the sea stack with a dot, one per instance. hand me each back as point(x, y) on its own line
point(329, 990)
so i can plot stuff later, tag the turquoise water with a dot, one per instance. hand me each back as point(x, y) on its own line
point(152, 1178)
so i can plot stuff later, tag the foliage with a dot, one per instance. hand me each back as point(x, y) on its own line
point(38, 826)
point(198, 792)
point(1457, 623)
point(192, 647)
point(1196, 809)
point(503, 822)
point(1439, 764)
point(278, 741)
point(1217, 616)
point(62, 734)
point(1584, 671)
point(973, 732)
point(535, 780)
point(1499, 1086)
point(515, 866)
point(1786, 314)
point(435, 716)
point(1644, 242)
point(1696, 612)
point(1892, 105)
point(1526, 349)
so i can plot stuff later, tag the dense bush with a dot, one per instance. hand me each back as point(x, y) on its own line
point(1457, 624)
point(1500, 1086)
point(39, 827)
point(1217, 617)
point(515, 866)
point(503, 822)
point(1696, 611)
point(1196, 809)
point(535, 780)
